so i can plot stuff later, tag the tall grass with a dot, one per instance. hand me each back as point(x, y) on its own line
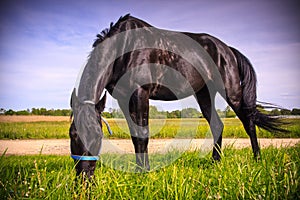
point(237, 176)
point(33, 130)
point(162, 128)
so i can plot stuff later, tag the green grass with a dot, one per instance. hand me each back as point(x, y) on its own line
point(237, 176)
point(169, 128)
point(34, 130)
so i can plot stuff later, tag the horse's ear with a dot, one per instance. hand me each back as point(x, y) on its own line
point(74, 99)
point(101, 104)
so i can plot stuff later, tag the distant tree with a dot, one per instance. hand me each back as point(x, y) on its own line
point(50, 112)
point(67, 112)
point(35, 111)
point(174, 114)
point(285, 112)
point(221, 113)
point(190, 113)
point(43, 111)
point(275, 112)
point(2, 111)
point(295, 111)
point(154, 113)
point(58, 112)
point(106, 115)
point(22, 112)
point(10, 112)
point(259, 106)
point(39, 111)
point(262, 109)
point(229, 113)
point(117, 113)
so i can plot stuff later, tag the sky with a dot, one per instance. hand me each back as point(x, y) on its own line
point(43, 44)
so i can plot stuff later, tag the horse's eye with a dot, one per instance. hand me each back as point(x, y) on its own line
point(74, 135)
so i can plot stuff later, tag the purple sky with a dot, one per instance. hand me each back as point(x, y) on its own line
point(43, 44)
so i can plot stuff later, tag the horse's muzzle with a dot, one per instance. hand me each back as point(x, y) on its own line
point(85, 168)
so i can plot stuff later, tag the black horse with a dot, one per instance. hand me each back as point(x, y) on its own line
point(136, 62)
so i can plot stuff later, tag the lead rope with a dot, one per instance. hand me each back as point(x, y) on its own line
point(107, 126)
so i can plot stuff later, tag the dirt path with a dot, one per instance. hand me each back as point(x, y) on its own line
point(33, 118)
point(62, 146)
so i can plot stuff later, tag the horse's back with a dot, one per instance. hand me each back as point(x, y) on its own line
point(226, 62)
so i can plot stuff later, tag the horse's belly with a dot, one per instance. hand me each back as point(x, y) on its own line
point(160, 92)
point(163, 93)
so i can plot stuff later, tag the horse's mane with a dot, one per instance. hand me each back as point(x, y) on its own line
point(107, 32)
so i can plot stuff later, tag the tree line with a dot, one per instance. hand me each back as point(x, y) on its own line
point(154, 113)
point(37, 111)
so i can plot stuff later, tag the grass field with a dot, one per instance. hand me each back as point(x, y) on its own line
point(39, 127)
point(237, 176)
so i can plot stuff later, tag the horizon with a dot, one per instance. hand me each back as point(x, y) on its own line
point(43, 45)
point(159, 109)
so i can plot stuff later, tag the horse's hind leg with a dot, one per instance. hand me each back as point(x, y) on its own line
point(207, 105)
point(245, 116)
point(244, 113)
point(136, 114)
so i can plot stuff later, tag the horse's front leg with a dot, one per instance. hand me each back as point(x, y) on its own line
point(141, 153)
point(137, 113)
point(207, 105)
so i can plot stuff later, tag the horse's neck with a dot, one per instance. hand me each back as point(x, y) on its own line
point(94, 77)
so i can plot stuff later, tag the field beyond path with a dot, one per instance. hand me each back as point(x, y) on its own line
point(62, 146)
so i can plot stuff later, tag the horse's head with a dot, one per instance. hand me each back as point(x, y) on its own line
point(86, 140)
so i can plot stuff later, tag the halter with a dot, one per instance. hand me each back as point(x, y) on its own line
point(92, 158)
point(85, 158)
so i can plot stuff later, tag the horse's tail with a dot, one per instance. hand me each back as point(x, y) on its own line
point(248, 83)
